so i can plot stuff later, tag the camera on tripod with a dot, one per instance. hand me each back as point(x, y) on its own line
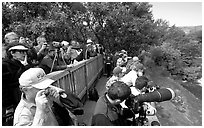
point(57, 45)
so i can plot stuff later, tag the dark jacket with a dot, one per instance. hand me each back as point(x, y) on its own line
point(85, 54)
point(106, 114)
point(47, 63)
point(11, 71)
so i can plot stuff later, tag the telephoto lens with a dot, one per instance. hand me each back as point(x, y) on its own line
point(159, 95)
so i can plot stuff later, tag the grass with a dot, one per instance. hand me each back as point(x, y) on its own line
point(194, 88)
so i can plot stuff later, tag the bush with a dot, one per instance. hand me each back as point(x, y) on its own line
point(191, 73)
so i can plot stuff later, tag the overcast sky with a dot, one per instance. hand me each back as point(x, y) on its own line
point(178, 13)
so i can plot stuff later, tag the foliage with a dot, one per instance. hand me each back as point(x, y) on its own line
point(192, 73)
point(115, 25)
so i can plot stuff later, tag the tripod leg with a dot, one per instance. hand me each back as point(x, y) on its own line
point(53, 63)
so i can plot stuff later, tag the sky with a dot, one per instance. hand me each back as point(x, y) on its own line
point(178, 13)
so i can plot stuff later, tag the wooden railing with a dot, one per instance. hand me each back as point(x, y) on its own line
point(79, 78)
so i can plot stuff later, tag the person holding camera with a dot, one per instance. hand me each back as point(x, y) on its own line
point(41, 48)
point(38, 101)
point(108, 111)
point(53, 61)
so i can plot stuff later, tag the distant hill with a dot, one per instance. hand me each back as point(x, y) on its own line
point(191, 29)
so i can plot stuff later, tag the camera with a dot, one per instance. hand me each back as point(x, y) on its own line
point(139, 105)
point(57, 44)
point(159, 95)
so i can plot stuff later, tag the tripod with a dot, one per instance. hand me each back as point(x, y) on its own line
point(57, 50)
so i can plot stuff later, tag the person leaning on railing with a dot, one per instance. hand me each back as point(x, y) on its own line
point(52, 61)
point(40, 101)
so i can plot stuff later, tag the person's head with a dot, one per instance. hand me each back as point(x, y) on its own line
point(141, 82)
point(41, 40)
point(17, 51)
point(117, 71)
point(118, 92)
point(32, 81)
point(65, 44)
point(51, 51)
point(11, 37)
point(89, 41)
point(135, 59)
point(74, 43)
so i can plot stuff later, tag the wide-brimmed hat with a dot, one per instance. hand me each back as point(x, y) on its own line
point(35, 77)
point(16, 46)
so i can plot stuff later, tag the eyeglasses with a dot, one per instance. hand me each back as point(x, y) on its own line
point(21, 51)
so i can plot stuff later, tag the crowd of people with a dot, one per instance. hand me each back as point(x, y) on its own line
point(29, 95)
point(20, 54)
point(128, 78)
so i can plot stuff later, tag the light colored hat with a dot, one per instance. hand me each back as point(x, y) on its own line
point(89, 41)
point(135, 58)
point(18, 47)
point(35, 77)
point(65, 43)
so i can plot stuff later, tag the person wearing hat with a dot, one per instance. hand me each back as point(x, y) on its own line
point(117, 74)
point(73, 51)
point(37, 99)
point(12, 68)
point(52, 62)
point(87, 52)
point(108, 110)
point(10, 37)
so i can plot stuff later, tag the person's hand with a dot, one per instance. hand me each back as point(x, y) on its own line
point(24, 62)
point(44, 46)
point(70, 66)
point(41, 100)
point(53, 93)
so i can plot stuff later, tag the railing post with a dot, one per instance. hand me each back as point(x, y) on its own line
point(86, 81)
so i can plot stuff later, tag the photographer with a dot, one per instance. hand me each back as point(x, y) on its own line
point(39, 101)
point(73, 51)
point(108, 110)
point(53, 61)
point(41, 48)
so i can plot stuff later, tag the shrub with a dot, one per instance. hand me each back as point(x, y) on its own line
point(191, 73)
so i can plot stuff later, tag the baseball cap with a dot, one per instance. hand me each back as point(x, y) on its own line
point(117, 70)
point(119, 90)
point(35, 77)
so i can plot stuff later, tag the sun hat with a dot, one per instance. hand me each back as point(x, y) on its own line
point(35, 77)
point(17, 46)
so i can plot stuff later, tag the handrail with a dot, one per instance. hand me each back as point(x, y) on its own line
point(79, 78)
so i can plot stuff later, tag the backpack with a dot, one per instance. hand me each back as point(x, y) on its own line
point(93, 94)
